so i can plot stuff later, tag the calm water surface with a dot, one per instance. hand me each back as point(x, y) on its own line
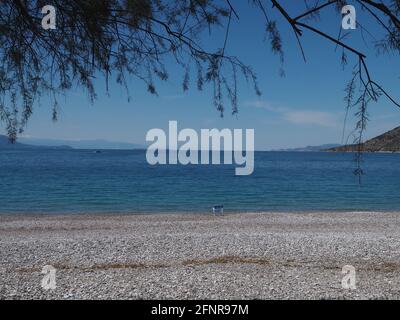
point(76, 181)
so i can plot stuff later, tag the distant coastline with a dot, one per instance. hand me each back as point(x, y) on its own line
point(389, 142)
point(56, 144)
point(5, 144)
point(319, 148)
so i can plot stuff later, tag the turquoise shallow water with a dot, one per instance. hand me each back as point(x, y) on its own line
point(81, 181)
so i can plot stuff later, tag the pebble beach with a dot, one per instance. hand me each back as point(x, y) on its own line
point(199, 256)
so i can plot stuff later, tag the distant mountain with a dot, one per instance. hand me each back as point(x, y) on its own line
point(311, 148)
point(5, 144)
point(387, 142)
point(81, 144)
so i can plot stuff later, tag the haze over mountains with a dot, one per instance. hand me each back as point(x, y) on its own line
point(33, 143)
point(82, 144)
point(387, 142)
point(311, 148)
point(5, 144)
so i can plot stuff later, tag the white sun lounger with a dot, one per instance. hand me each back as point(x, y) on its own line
point(218, 210)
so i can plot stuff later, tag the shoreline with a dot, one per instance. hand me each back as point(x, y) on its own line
point(192, 213)
point(270, 255)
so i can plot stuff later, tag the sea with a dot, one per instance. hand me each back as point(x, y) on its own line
point(116, 181)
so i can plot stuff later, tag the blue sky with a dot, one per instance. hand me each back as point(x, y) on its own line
point(305, 107)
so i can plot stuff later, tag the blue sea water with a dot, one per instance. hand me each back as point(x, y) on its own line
point(81, 181)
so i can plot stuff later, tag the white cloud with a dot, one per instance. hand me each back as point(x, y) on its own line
point(299, 117)
point(323, 119)
point(265, 105)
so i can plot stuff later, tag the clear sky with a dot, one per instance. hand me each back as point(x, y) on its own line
point(305, 107)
